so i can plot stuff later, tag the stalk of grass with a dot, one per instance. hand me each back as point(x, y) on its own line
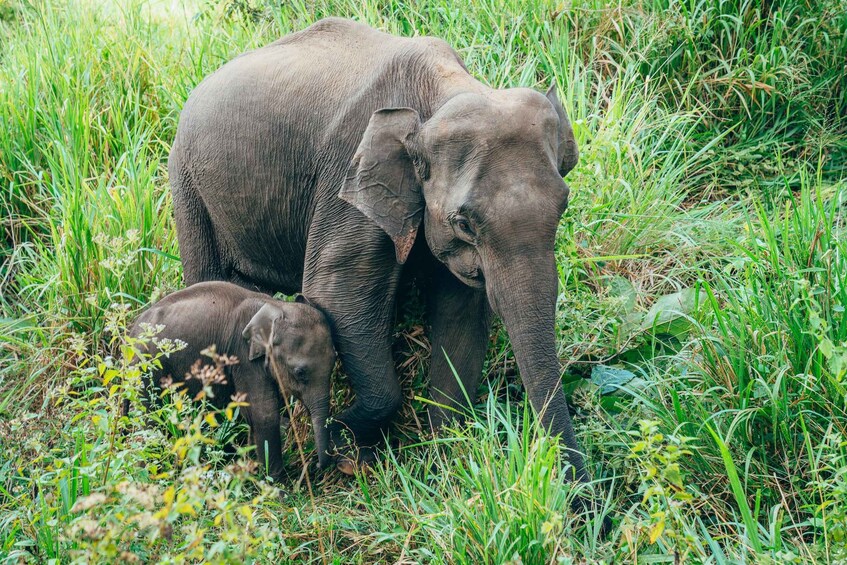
point(713, 152)
point(738, 491)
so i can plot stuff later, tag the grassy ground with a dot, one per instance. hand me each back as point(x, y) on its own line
point(702, 324)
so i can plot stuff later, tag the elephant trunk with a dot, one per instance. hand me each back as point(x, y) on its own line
point(319, 411)
point(522, 291)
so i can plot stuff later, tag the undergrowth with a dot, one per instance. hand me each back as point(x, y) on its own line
point(701, 320)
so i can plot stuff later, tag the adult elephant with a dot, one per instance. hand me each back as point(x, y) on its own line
point(332, 159)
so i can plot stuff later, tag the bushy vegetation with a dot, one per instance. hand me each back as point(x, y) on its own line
point(702, 324)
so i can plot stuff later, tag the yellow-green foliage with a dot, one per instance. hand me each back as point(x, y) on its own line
point(701, 321)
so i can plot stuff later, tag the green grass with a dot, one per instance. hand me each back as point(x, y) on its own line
point(704, 255)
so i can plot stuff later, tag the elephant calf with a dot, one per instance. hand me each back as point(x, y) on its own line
point(282, 347)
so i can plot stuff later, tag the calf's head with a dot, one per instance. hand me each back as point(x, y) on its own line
point(297, 346)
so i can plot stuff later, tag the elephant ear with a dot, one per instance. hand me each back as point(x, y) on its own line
point(382, 181)
point(568, 151)
point(262, 330)
point(301, 299)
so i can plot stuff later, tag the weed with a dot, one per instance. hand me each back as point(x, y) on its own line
point(712, 173)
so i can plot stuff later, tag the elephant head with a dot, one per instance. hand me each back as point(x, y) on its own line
point(484, 176)
point(297, 346)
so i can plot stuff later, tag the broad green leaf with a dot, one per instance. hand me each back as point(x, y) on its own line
point(669, 307)
point(610, 379)
point(620, 287)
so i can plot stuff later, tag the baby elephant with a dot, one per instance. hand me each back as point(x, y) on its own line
point(280, 346)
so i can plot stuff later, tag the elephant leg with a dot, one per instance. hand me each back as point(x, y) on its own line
point(460, 321)
point(362, 327)
point(365, 353)
point(264, 426)
point(263, 417)
point(198, 248)
point(353, 278)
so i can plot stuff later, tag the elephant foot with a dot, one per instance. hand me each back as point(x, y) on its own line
point(350, 457)
point(359, 461)
point(348, 466)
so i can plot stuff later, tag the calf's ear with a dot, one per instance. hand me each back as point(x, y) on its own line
point(261, 330)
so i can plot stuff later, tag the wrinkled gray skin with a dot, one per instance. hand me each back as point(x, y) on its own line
point(316, 163)
point(249, 325)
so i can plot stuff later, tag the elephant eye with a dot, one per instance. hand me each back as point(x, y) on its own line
point(463, 226)
point(301, 374)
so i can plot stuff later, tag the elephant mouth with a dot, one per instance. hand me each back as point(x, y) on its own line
point(474, 278)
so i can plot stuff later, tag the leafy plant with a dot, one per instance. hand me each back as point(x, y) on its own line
point(702, 267)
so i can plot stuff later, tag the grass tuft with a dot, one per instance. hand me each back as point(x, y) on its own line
point(701, 321)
